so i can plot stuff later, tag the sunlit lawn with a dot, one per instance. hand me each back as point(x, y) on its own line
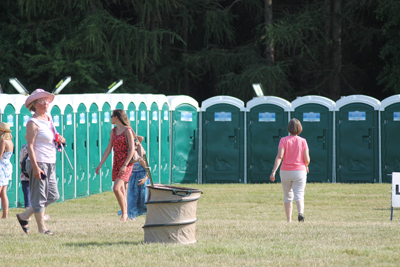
point(239, 225)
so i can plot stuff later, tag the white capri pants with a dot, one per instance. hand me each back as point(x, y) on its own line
point(293, 185)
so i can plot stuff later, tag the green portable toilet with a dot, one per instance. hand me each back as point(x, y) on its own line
point(82, 174)
point(56, 114)
point(316, 114)
point(10, 116)
point(161, 152)
point(69, 135)
point(142, 125)
point(105, 131)
point(153, 152)
point(129, 102)
point(23, 117)
point(131, 113)
point(165, 156)
point(267, 119)
point(185, 139)
point(222, 135)
point(390, 142)
point(357, 153)
point(120, 106)
point(94, 146)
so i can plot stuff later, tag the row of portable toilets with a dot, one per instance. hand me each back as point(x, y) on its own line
point(354, 139)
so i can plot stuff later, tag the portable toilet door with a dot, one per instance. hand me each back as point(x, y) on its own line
point(185, 139)
point(165, 176)
point(131, 113)
point(316, 114)
point(82, 181)
point(106, 169)
point(357, 139)
point(10, 117)
point(94, 149)
point(223, 132)
point(154, 142)
point(57, 122)
point(23, 117)
point(69, 135)
point(267, 120)
point(142, 125)
point(390, 142)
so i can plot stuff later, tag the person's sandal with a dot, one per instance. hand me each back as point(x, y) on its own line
point(24, 225)
point(301, 217)
point(48, 232)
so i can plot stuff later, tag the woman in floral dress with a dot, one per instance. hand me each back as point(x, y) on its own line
point(123, 153)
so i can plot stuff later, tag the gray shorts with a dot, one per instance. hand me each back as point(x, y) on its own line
point(43, 192)
point(293, 185)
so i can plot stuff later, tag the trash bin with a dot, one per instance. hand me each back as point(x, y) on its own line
point(171, 214)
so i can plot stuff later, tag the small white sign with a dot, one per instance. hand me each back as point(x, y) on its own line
point(106, 116)
point(143, 115)
point(69, 119)
point(357, 116)
point(166, 115)
point(267, 117)
point(312, 117)
point(222, 116)
point(186, 116)
point(10, 121)
point(56, 120)
point(396, 189)
point(82, 118)
point(396, 116)
point(132, 115)
point(155, 115)
point(94, 117)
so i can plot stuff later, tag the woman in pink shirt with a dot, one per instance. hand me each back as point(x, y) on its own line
point(293, 150)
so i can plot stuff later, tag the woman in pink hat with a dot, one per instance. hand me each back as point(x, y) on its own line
point(6, 150)
point(40, 136)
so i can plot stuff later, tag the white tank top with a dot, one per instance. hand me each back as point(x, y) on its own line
point(44, 147)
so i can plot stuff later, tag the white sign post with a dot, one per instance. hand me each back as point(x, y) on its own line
point(395, 192)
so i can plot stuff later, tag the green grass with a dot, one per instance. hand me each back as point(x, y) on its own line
point(239, 225)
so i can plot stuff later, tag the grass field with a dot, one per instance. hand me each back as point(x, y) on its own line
point(239, 225)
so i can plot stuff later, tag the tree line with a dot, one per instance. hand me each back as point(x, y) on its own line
point(203, 48)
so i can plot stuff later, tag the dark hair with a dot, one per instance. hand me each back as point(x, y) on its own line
point(121, 115)
point(294, 127)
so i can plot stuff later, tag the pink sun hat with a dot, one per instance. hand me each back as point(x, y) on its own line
point(37, 94)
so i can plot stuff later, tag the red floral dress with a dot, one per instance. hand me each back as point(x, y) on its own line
point(120, 148)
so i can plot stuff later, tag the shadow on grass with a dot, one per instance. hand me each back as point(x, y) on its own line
point(101, 244)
